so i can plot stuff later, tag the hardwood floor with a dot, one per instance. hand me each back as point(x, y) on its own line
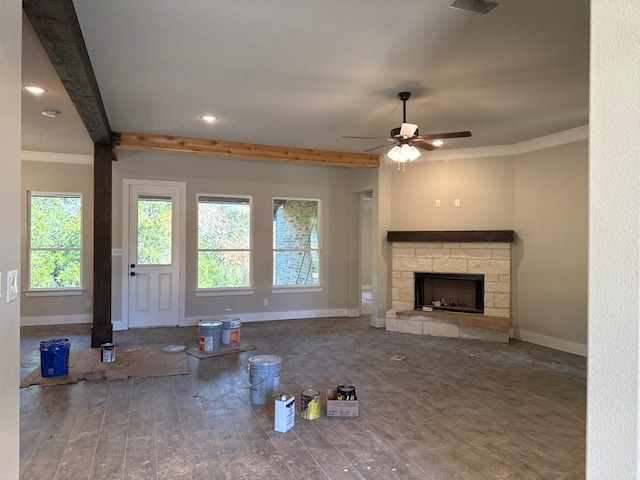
point(452, 409)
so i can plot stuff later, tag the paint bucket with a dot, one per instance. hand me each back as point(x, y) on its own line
point(54, 357)
point(108, 352)
point(230, 332)
point(209, 333)
point(264, 378)
point(346, 392)
point(310, 404)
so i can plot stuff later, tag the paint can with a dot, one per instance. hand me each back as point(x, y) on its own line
point(264, 378)
point(346, 392)
point(108, 352)
point(209, 333)
point(310, 404)
point(230, 332)
point(285, 412)
point(54, 357)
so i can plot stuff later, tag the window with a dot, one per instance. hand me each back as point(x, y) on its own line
point(55, 240)
point(296, 249)
point(224, 241)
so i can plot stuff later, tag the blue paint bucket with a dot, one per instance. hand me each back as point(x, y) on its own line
point(54, 357)
point(264, 378)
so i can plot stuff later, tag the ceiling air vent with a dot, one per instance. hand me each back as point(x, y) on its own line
point(475, 6)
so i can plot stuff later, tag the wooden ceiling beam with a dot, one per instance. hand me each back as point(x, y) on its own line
point(169, 143)
point(56, 24)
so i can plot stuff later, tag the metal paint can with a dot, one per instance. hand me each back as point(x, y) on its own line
point(346, 392)
point(310, 404)
point(108, 352)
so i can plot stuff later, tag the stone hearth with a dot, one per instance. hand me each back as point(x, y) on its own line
point(482, 255)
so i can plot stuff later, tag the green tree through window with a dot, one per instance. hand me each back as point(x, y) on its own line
point(224, 241)
point(55, 240)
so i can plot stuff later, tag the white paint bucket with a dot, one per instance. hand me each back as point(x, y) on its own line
point(230, 332)
point(210, 333)
point(264, 378)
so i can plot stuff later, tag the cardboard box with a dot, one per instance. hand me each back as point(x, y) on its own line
point(340, 408)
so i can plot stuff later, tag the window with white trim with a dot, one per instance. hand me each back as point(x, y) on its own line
point(55, 241)
point(224, 241)
point(296, 241)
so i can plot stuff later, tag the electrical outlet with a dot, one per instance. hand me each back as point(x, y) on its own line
point(456, 202)
point(88, 303)
point(266, 302)
point(437, 203)
point(12, 285)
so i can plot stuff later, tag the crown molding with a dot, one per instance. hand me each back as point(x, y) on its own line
point(548, 141)
point(32, 156)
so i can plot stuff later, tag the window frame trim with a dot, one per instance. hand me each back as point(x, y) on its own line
point(298, 288)
point(222, 291)
point(53, 291)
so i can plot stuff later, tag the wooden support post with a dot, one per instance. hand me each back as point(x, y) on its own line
point(102, 331)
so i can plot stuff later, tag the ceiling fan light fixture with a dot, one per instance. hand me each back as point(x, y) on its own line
point(404, 153)
point(437, 143)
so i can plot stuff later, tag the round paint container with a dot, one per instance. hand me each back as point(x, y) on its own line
point(310, 404)
point(210, 336)
point(264, 378)
point(230, 332)
point(108, 352)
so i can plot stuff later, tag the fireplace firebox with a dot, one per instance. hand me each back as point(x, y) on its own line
point(456, 292)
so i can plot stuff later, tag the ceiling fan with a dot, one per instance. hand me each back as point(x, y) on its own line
point(407, 139)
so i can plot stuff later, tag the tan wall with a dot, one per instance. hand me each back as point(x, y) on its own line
point(59, 178)
point(484, 187)
point(543, 196)
point(550, 256)
point(263, 181)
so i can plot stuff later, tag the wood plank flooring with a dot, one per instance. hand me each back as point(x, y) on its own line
point(452, 409)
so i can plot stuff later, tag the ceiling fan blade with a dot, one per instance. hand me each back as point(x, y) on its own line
point(366, 138)
point(376, 148)
point(423, 145)
point(437, 136)
point(408, 129)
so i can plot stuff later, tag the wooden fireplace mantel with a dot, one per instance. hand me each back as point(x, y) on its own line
point(453, 236)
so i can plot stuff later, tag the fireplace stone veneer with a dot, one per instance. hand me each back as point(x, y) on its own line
point(491, 259)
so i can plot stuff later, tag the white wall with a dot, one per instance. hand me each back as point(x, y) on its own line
point(614, 245)
point(10, 91)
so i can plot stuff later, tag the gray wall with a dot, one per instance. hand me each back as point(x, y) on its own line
point(263, 181)
point(62, 178)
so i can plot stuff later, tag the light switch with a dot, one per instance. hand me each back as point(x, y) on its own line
point(456, 203)
point(437, 203)
point(12, 285)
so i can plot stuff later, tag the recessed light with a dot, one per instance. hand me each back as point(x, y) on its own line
point(208, 118)
point(437, 143)
point(51, 113)
point(35, 89)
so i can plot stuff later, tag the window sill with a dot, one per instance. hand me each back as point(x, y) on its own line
point(298, 289)
point(222, 292)
point(57, 292)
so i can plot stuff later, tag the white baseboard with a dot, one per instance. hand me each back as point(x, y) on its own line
point(55, 320)
point(268, 316)
point(551, 342)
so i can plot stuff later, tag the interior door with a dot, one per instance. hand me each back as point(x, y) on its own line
point(154, 255)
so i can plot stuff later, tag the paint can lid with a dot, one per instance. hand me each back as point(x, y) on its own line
point(209, 324)
point(265, 360)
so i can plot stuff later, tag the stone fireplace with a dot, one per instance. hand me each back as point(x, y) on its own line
point(469, 255)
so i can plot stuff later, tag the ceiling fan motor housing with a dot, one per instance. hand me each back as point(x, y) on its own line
point(395, 133)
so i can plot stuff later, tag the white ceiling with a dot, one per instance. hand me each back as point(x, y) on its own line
point(304, 73)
